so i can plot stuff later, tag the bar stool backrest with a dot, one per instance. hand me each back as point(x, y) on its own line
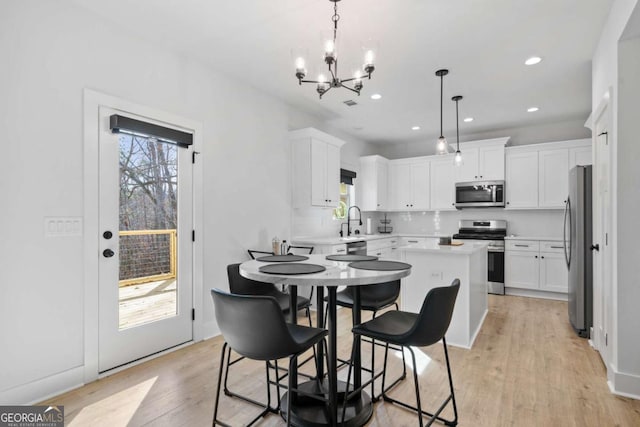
point(379, 291)
point(253, 326)
point(242, 286)
point(435, 316)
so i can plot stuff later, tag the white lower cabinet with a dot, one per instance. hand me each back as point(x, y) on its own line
point(383, 248)
point(521, 269)
point(340, 249)
point(537, 265)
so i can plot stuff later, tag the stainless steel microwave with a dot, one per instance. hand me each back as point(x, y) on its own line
point(480, 194)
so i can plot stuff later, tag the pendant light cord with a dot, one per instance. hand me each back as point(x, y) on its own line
point(457, 128)
point(441, 89)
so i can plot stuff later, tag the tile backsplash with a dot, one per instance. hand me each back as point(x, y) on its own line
point(536, 223)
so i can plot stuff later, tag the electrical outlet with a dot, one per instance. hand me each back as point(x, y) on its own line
point(56, 226)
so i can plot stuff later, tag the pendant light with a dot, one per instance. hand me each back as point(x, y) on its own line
point(441, 147)
point(457, 160)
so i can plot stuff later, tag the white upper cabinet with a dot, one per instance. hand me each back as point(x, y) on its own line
point(482, 161)
point(521, 183)
point(537, 176)
point(553, 178)
point(580, 156)
point(372, 183)
point(442, 183)
point(316, 168)
point(409, 184)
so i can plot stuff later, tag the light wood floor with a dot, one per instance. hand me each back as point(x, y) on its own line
point(527, 368)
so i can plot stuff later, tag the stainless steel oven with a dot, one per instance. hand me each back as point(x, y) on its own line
point(480, 194)
point(491, 232)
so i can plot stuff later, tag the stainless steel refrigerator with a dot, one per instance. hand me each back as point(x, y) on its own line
point(578, 251)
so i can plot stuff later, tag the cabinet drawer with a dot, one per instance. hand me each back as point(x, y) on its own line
point(413, 240)
point(522, 245)
point(380, 243)
point(551, 247)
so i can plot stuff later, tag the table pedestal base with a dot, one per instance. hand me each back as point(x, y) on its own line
point(310, 412)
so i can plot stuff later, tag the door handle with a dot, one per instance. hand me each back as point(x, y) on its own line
point(595, 247)
point(108, 253)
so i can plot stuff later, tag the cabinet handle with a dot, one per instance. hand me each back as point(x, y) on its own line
point(507, 202)
point(522, 246)
point(379, 253)
point(340, 250)
point(476, 176)
point(536, 256)
point(412, 241)
point(557, 247)
point(542, 257)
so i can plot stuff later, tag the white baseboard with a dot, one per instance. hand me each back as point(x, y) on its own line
point(42, 389)
point(626, 385)
point(530, 293)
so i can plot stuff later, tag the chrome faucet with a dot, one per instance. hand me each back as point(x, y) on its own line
point(349, 219)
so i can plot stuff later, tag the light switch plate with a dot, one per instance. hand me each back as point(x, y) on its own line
point(58, 226)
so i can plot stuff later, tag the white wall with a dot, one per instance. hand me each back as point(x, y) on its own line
point(51, 51)
point(628, 195)
point(623, 371)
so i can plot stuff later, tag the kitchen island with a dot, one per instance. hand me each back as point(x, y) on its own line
point(434, 265)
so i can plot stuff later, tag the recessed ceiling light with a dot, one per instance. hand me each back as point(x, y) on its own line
point(532, 109)
point(415, 128)
point(376, 96)
point(533, 60)
point(468, 119)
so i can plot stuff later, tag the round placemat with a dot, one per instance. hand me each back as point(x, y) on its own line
point(282, 258)
point(351, 258)
point(380, 265)
point(291, 269)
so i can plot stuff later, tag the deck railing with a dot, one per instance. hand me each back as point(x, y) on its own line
point(147, 256)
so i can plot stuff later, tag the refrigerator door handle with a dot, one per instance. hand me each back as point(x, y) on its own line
point(567, 247)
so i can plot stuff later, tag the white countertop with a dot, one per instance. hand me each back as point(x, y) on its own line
point(337, 240)
point(337, 273)
point(466, 249)
point(551, 239)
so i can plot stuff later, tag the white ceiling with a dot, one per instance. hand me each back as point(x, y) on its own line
point(482, 42)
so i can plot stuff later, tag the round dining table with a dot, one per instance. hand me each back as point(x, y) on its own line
point(307, 412)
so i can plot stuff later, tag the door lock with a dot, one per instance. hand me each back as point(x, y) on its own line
point(108, 253)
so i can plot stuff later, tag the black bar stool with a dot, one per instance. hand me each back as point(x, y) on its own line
point(255, 328)
point(406, 329)
point(373, 298)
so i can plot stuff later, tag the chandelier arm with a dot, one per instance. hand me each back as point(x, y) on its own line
point(351, 89)
point(325, 91)
point(351, 79)
point(311, 81)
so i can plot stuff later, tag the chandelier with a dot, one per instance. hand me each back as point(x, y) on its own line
point(324, 83)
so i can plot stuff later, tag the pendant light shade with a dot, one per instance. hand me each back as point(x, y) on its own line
point(442, 146)
point(457, 159)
